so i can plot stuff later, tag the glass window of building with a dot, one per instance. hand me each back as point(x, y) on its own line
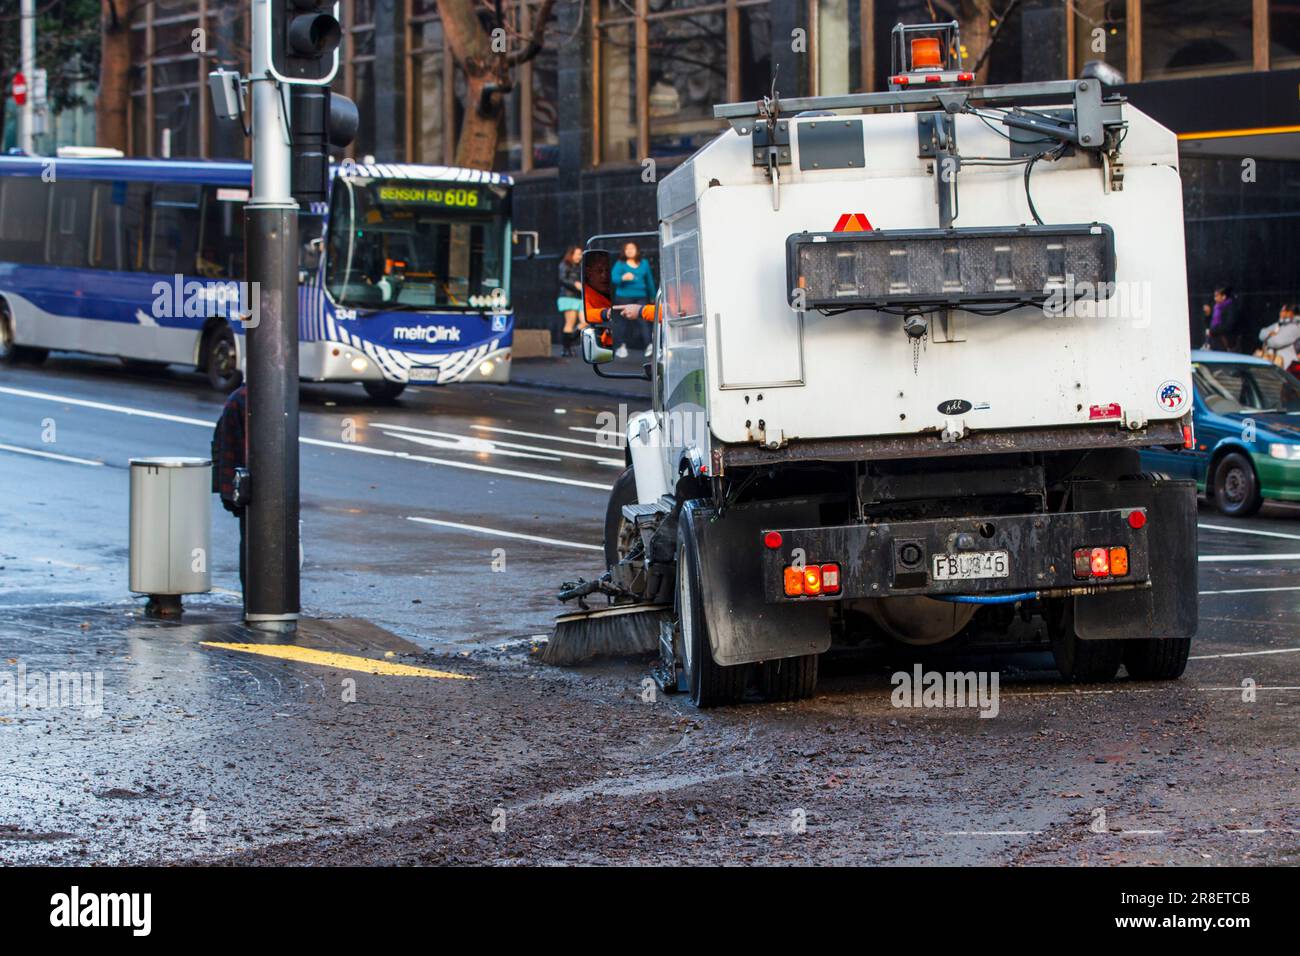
point(1284, 33)
point(1195, 37)
point(1101, 33)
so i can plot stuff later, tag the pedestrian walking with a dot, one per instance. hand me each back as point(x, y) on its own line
point(634, 284)
point(1223, 334)
point(230, 463)
point(569, 302)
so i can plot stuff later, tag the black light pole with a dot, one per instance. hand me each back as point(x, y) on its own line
point(295, 48)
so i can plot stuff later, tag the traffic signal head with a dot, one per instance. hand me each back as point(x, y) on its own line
point(305, 37)
point(319, 119)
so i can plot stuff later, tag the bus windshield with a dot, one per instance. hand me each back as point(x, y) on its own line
point(416, 244)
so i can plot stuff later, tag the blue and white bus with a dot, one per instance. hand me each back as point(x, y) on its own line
point(405, 272)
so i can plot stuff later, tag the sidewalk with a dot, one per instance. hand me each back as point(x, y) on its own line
point(575, 375)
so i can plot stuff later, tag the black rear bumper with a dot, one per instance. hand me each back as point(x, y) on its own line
point(895, 559)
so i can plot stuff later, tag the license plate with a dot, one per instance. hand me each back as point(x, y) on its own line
point(969, 565)
point(422, 374)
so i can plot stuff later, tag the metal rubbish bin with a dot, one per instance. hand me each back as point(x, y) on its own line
point(171, 529)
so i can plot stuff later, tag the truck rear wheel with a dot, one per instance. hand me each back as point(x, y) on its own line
point(1152, 659)
point(1080, 661)
point(793, 678)
point(709, 683)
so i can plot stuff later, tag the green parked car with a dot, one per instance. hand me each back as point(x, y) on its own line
point(1246, 417)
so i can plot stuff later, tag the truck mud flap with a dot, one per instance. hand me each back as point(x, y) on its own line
point(743, 627)
point(1169, 608)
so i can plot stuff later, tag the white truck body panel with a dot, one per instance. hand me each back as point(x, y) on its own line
point(817, 376)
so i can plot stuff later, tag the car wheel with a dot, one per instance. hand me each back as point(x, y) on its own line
point(221, 359)
point(1236, 486)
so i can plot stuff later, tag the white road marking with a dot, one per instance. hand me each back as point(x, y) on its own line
point(506, 534)
point(1249, 557)
point(51, 455)
point(523, 434)
point(319, 442)
point(1252, 590)
point(1279, 650)
point(105, 407)
point(1262, 534)
point(493, 443)
point(992, 832)
point(467, 444)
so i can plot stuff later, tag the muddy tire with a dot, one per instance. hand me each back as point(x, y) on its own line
point(709, 683)
point(1080, 661)
point(618, 530)
point(221, 359)
point(1156, 659)
point(384, 391)
point(1236, 486)
point(794, 678)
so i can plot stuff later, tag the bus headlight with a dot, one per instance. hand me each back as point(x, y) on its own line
point(359, 364)
point(487, 367)
point(1285, 452)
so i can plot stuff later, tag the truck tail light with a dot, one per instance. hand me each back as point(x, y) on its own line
point(1100, 562)
point(830, 578)
point(1137, 519)
point(772, 540)
point(812, 580)
point(793, 582)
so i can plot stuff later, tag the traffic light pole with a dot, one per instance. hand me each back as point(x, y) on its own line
point(271, 592)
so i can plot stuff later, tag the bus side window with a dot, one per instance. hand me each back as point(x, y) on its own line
point(23, 206)
point(138, 199)
point(221, 253)
point(120, 239)
point(67, 231)
point(107, 247)
point(173, 239)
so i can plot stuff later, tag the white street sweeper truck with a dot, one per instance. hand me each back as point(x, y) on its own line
point(907, 347)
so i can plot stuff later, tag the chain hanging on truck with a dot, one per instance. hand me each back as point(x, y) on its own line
point(917, 326)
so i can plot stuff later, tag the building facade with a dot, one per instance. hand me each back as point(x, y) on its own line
point(623, 89)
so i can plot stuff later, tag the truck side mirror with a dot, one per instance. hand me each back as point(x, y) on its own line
point(528, 239)
point(597, 345)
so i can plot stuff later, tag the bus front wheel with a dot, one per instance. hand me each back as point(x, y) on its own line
point(384, 391)
point(221, 359)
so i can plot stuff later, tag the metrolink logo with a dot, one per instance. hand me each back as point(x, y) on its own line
point(970, 689)
point(179, 299)
point(1099, 300)
point(74, 908)
point(52, 690)
point(426, 333)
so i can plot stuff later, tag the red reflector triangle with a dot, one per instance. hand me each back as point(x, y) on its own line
point(853, 222)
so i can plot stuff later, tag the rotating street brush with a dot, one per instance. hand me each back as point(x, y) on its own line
point(617, 630)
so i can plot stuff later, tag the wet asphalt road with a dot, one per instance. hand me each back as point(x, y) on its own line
point(213, 753)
